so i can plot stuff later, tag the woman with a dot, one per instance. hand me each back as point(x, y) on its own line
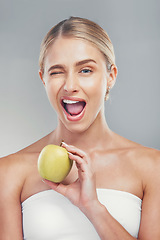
point(112, 191)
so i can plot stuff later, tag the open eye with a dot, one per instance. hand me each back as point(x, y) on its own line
point(86, 70)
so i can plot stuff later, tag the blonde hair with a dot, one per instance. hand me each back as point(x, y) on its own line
point(83, 29)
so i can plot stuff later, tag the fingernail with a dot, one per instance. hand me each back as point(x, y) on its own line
point(43, 181)
point(61, 143)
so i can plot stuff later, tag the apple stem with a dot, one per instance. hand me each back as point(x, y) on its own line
point(61, 143)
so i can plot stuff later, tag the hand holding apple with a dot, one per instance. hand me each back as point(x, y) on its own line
point(81, 192)
point(54, 163)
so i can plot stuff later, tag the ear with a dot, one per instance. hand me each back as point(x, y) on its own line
point(41, 77)
point(112, 76)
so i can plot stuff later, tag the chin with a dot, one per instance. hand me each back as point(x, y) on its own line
point(75, 127)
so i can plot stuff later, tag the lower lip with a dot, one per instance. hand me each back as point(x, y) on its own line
point(75, 118)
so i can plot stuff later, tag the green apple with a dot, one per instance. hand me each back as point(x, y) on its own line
point(54, 163)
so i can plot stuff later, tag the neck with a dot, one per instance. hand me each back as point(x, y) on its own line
point(97, 136)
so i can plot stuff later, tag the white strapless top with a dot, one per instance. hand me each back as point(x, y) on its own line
point(48, 215)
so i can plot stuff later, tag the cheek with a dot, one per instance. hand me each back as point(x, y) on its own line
point(52, 91)
point(96, 88)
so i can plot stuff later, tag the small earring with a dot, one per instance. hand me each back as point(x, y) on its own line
point(107, 93)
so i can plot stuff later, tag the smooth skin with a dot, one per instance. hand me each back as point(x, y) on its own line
point(102, 159)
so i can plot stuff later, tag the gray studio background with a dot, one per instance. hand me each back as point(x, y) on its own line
point(134, 27)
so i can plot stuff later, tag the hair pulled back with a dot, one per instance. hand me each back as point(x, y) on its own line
point(80, 28)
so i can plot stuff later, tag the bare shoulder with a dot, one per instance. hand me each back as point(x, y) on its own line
point(16, 168)
point(146, 162)
point(149, 163)
point(139, 155)
point(143, 161)
point(13, 171)
point(145, 158)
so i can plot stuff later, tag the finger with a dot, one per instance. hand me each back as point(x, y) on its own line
point(74, 150)
point(80, 162)
point(76, 158)
point(58, 187)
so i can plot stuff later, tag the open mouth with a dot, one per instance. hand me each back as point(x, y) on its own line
point(72, 107)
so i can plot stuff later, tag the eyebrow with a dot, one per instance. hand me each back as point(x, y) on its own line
point(84, 62)
point(55, 67)
point(59, 66)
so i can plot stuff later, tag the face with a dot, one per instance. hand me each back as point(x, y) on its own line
point(76, 77)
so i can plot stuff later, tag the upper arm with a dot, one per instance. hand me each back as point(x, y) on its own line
point(150, 218)
point(10, 205)
point(10, 219)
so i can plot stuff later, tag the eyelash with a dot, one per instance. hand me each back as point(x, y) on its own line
point(55, 73)
point(87, 70)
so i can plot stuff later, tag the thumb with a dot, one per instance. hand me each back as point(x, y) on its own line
point(58, 187)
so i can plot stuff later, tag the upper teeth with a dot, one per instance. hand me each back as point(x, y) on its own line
point(69, 101)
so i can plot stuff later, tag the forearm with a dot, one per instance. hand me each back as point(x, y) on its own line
point(106, 226)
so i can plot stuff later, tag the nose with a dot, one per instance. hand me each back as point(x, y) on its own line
point(71, 83)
